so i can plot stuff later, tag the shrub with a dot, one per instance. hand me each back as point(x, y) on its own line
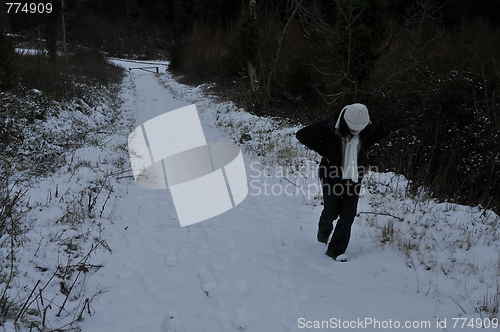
point(446, 138)
point(66, 77)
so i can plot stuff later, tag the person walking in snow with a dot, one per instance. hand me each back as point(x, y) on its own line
point(342, 142)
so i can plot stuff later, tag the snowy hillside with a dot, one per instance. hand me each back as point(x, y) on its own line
point(415, 263)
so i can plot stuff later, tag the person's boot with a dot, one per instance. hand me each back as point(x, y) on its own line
point(322, 237)
point(339, 258)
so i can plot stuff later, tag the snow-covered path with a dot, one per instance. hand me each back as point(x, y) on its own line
point(257, 267)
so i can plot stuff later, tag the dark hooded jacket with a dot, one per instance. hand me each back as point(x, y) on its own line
point(326, 140)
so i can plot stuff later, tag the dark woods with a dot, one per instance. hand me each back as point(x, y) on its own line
point(430, 67)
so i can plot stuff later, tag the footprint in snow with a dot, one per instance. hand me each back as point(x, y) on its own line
point(244, 288)
point(171, 258)
point(241, 319)
point(323, 269)
point(209, 287)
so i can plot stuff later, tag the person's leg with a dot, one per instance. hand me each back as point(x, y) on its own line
point(342, 234)
point(331, 209)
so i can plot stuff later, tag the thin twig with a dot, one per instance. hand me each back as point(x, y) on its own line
point(25, 305)
point(382, 214)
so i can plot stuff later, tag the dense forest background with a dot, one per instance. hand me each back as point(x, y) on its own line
point(431, 67)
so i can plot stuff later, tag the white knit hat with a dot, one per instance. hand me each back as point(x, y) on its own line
point(356, 116)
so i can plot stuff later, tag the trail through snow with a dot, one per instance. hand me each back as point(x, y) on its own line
point(257, 267)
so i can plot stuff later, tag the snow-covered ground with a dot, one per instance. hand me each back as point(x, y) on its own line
point(258, 267)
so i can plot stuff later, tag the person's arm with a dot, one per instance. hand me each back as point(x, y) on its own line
point(312, 137)
point(383, 129)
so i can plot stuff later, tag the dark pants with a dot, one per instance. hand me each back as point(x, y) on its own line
point(340, 201)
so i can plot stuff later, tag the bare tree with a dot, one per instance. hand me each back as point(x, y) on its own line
point(345, 50)
point(63, 20)
point(272, 34)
